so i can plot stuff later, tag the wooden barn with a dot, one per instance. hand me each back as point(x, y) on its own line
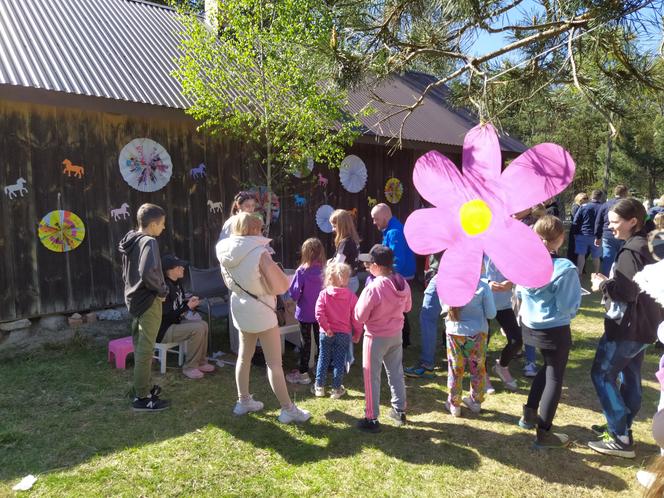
point(85, 88)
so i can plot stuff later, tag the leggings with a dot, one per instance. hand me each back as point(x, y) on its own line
point(507, 320)
point(548, 385)
point(271, 344)
point(305, 351)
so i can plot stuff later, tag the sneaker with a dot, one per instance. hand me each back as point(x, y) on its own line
point(529, 418)
point(530, 370)
point(295, 377)
point(244, 406)
point(336, 393)
point(505, 376)
point(192, 373)
point(151, 403)
point(206, 368)
point(293, 414)
point(599, 429)
point(548, 440)
point(488, 387)
point(319, 392)
point(398, 416)
point(366, 425)
point(156, 390)
point(472, 405)
point(419, 372)
point(645, 478)
point(610, 445)
point(454, 410)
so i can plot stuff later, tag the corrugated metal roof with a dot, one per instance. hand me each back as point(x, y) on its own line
point(126, 50)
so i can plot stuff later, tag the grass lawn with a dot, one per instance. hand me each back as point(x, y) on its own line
point(65, 418)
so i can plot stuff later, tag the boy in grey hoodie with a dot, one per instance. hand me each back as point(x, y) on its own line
point(144, 291)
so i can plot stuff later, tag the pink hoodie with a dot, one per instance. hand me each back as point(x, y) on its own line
point(382, 304)
point(334, 311)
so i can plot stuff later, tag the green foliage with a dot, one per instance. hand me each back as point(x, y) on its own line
point(263, 77)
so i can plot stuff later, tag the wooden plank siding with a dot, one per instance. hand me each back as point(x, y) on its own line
point(36, 138)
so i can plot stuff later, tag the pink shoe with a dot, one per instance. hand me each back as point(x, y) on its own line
point(206, 368)
point(192, 373)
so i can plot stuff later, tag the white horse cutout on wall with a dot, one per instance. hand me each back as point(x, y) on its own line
point(121, 212)
point(19, 186)
point(215, 207)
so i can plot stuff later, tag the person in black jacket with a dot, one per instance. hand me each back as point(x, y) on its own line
point(178, 323)
point(629, 326)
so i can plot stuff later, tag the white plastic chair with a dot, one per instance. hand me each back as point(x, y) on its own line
point(163, 348)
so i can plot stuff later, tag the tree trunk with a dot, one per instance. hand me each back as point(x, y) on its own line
point(607, 163)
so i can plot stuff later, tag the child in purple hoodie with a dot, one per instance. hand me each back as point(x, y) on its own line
point(381, 309)
point(334, 312)
point(304, 290)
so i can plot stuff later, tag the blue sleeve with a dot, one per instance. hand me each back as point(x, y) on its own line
point(599, 221)
point(295, 289)
point(488, 303)
point(576, 224)
point(568, 293)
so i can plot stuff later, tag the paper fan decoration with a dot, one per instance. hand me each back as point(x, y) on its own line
point(61, 231)
point(304, 168)
point(353, 174)
point(145, 165)
point(393, 190)
point(323, 218)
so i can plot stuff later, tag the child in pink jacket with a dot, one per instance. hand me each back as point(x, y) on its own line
point(334, 313)
point(381, 309)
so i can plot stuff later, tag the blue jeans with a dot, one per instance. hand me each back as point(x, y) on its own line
point(619, 404)
point(429, 316)
point(531, 354)
point(332, 350)
point(610, 248)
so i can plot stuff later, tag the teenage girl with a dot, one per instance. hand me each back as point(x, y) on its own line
point(346, 243)
point(244, 202)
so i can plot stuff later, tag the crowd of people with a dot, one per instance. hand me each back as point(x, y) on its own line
point(333, 317)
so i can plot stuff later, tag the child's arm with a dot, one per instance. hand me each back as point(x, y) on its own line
point(568, 293)
point(295, 289)
point(321, 316)
point(409, 300)
point(149, 269)
point(489, 304)
point(365, 305)
point(356, 325)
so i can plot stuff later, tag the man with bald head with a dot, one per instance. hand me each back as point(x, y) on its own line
point(404, 258)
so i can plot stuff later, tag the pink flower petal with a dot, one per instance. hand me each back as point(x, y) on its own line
point(431, 230)
point(519, 254)
point(437, 179)
point(535, 176)
point(481, 156)
point(459, 273)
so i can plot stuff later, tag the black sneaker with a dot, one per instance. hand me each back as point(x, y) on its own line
point(397, 416)
point(150, 404)
point(366, 425)
point(599, 429)
point(156, 390)
point(529, 418)
point(548, 440)
point(612, 445)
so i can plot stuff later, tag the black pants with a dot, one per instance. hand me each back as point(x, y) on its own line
point(507, 320)
point(548, 384)
point(305, 350)
point(405, 332)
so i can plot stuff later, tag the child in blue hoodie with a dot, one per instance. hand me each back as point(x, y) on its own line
point(304, 290)
point(467, 328)
point(546, 314)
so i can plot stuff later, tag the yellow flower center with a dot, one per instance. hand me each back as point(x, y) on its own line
point(475, 217)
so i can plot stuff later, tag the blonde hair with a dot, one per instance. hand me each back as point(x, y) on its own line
point(549, 228)
point(538, 211)
point(345, 226)
point(246, 224)
point(312, 252)
point(659, 221)
point(337, 275)
point(580, 198)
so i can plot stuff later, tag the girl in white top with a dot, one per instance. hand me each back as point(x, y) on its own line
point(244, 202)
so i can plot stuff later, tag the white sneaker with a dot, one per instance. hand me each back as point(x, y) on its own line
point(294, 414)
point(454, 410)
point(505, 376)
point(319, 392)
point(244, 406)
point(488, 388)
point(645, 478)
point(530, 370)
point(472, 405)
point(295, 377)
point(337, 393)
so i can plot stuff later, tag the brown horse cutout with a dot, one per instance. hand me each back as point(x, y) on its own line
point(70, 168)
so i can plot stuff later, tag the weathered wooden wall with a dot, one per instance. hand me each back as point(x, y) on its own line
point(35, 139)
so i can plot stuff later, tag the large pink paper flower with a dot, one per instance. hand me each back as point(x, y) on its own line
point(472, 212)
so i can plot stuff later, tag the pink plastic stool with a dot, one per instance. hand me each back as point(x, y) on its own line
point(119, 349)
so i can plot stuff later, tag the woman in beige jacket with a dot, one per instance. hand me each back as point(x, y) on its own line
point(254, 281)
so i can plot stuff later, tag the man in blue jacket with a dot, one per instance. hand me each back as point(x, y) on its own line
point(603, 235)
point(584, 227)
point(404, 258)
